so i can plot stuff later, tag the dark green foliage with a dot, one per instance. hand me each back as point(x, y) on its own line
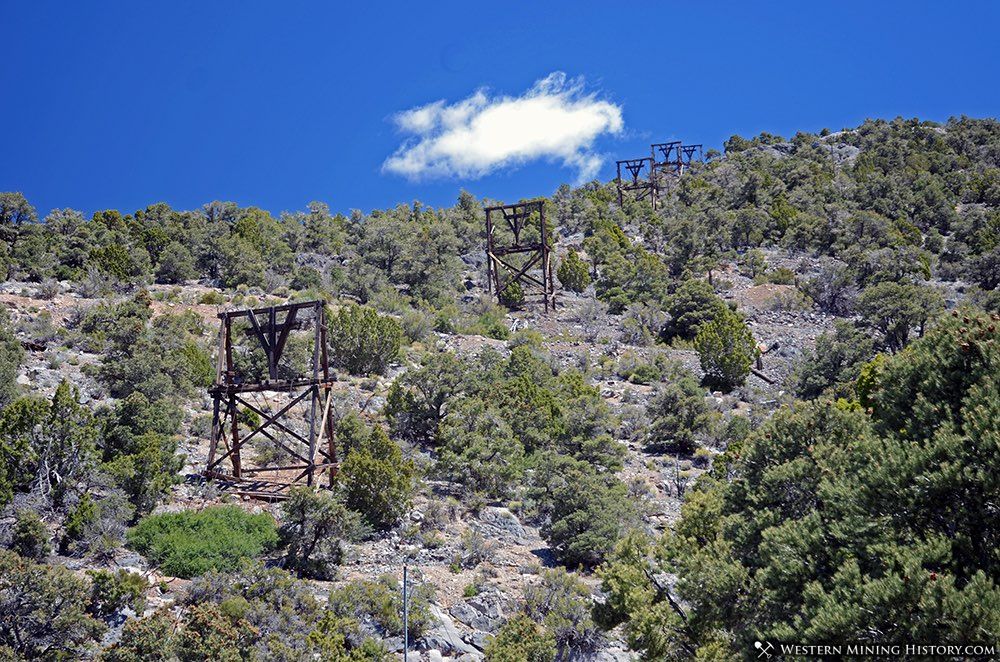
point(140, 450)
point(561, 602)
point(306, 278)
point(417, 401)
point(895, 309)
point(11, 355)
point(678, 415)
point(479, 450)
point(239, 263)
point(362, 341)
point(111, 592)
point(583, 512)
point(47, 446)
point(43, 611)
point(573, 273)
point(835, 362)
point(521, 640)
point(117, 321)
point(692, 304)
point(121, 262)
point(831, 523)
point(30, 538)
point(176, 264)
point(375, 480)
point(315, 525)
point(627, 273)
point(726, 350)
point(162, 359)
point(734, 432)
point(15, 210)
point(512, 295)
point(190, 543)
point(378, 605)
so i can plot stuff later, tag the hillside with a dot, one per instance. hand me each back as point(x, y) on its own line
point(679, 459)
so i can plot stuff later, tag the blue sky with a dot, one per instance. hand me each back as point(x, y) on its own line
point(122, 104)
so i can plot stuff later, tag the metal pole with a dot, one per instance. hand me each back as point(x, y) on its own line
point(406, 617)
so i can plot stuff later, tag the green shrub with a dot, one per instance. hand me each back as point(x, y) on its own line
point(121, 262)
point(479, 451)
point(753, 263)
point(678, 416)
point(561, 602)
point(380, 603)
point(316, 524)
point(111, 592)
point(306, 278)
point(30, 538)
point(512, 296)
point(417, 400)
point(584, 512)
point(835, 361)
point(521, 640)
point(895, 309)
point(176, 264)
point(11, 355)
point(376, 481)
point(573, 273)
point(417, 325)
point(139, 449)
point(726, 350)
point(212, 298)
point(781, 276)
point(362, 341)
point(692, 304)
point(43, 611)
point(189, 543)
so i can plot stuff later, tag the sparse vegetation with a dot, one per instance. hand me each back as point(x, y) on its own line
point(863, 261)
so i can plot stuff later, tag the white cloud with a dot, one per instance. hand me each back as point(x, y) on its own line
point(554, 120)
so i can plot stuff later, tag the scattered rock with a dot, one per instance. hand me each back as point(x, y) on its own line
point(501, 523)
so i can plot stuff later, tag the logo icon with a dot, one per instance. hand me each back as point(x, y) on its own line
point(765, 648)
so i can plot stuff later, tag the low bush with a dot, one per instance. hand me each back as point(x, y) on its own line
point(315, 525)
point(111, 592)
point(30, 538)
point(190, 543)
point(377, 605)
point(512, 295)
point(521, 640)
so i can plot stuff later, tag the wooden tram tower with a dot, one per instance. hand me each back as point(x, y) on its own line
point(650, 176)
point(537, 254)
point(299, 429)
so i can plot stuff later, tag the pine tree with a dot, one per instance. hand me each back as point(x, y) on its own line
point(726, 350)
